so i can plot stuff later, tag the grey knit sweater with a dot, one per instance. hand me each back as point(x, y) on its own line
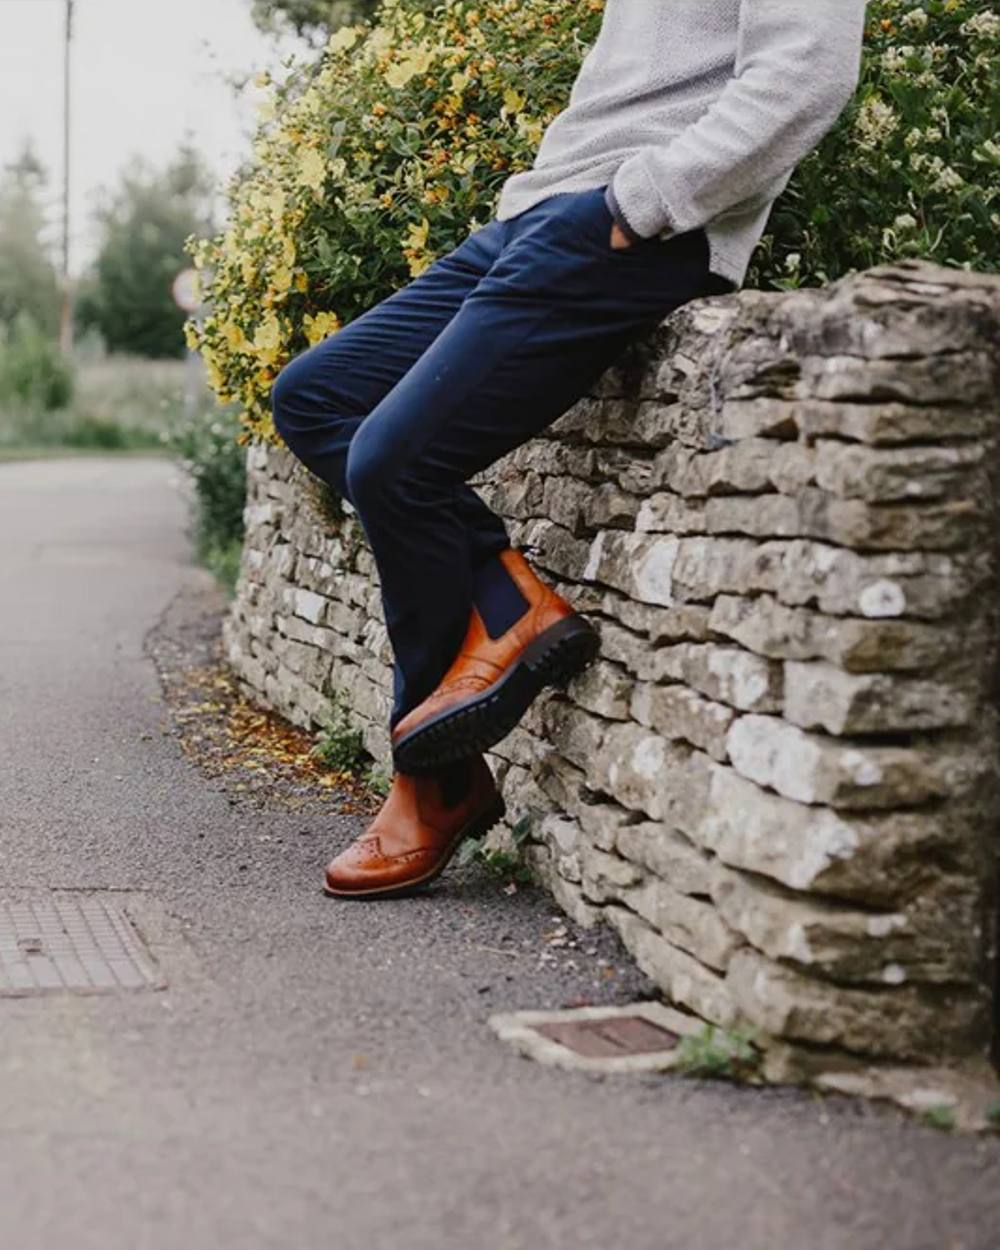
point(696, 112)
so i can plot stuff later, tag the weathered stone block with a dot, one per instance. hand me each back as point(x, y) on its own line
point(604, 689)
point(308, 605)
point(605, 876)
point(751, 465)
point(555, 549)
point(843, 582)
point(564, 501)
point(910, 1022)
point(691, 924)
point(876, 859)
point(773, 629)
point(886, 423)
point(887, 474)
point(567, 894)
point(563, 838)
point(901, 312)
point(668, 855)
point(724, 674)
point(639, 566)
point(630, 471)
point(960, 379)
point(684, 979)
point(603, 823)
point(645, 772)
point(683, 622)
point(924, 943)
point(677, 712)
point(820, 696)
point(813, 768)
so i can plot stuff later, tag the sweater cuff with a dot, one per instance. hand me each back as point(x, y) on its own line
point(639, 201)
point(615, 209)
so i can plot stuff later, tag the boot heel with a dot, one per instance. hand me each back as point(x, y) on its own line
point(561, 652)
point(483, 823)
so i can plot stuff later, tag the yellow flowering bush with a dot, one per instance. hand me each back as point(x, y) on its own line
point(370, 163)
point(387, 151)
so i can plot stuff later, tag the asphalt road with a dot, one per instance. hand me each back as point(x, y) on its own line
point(321, 1074)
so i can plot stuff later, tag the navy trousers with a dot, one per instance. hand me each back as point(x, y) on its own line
point(492, 343)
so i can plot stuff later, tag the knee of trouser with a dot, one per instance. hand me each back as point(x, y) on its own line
point(282, 389)
point(289, 402)
point(369, 472)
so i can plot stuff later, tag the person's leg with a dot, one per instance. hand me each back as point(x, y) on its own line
point(321, 397)
point(552, 313)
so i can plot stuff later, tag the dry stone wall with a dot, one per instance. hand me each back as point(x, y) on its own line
point(777, 783)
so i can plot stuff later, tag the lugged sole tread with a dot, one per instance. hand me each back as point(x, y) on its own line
point(476, 726)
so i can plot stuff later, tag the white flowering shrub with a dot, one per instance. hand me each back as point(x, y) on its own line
point(912, 168)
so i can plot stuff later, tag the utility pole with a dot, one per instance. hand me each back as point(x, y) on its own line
point(66, 313)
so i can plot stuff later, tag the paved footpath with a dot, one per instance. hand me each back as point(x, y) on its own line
point(320, 1074)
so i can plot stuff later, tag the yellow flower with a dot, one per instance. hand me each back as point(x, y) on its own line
point(418, 61)
point(301, 282)
point(513, 102)
point(234, 336)
point(312, 169)
point(418, 264)
point(281, 279)
point(379, 41)
point(319, 327)
point(343, 39)
point(531, 129)
point(464, 163)
point(416, 236)
point(267, 339)
point(270, 203)
point(214, 374)
point(191, 335)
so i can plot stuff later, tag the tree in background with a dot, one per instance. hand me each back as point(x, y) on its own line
point(29, 286)
point(314, 20)
point(143, 227)
point(311, 19)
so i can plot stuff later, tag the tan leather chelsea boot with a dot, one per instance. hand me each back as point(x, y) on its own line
point(493, 681)
point(417, 831)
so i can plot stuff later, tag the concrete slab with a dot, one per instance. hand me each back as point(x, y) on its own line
point(525, 1031)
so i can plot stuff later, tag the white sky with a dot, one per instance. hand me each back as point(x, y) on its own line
point(146, 74)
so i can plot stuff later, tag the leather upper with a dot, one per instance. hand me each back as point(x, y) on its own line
point(483, 660)
point(413, 831)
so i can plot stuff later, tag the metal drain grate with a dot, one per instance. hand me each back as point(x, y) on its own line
point(632, 1037)
point(617, 1035)
point(71, 945)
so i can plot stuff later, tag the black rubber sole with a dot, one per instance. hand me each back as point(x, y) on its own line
point(471, 727)
point(476, 828)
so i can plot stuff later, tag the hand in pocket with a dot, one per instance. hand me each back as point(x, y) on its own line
point(619, 239)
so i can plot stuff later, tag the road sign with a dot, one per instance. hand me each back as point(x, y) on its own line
point(185, 290)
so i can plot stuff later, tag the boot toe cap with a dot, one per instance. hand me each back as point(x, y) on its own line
point(350, 874)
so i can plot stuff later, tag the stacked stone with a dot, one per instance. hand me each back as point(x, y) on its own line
point(305, 629)
point(777, 781)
